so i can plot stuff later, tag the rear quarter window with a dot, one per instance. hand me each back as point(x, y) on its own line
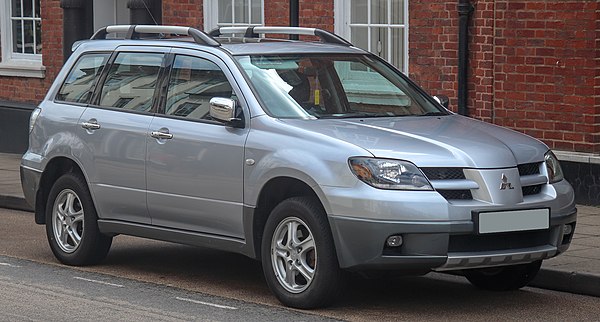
point(79, 84)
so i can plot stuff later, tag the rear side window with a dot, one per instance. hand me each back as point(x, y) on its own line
point(79, 85)
point(131, 81)
point(193, 82)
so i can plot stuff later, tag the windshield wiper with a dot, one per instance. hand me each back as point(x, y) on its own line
point(434, 114)
point(351, 115)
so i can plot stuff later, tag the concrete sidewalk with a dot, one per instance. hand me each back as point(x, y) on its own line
point(576, 271)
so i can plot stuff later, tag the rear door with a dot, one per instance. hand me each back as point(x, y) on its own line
point(195, 164)
point(115, 127)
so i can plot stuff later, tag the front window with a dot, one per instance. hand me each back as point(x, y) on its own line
point(322, 86)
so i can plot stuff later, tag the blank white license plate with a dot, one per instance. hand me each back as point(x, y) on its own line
point(516, 220)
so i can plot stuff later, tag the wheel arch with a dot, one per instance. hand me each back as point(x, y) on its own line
point(54, 169)
point(272, 193)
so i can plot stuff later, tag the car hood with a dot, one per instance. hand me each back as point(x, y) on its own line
point(433, 141)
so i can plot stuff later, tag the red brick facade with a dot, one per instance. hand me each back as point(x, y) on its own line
point(33, 90)
point(534, 64)
point(183, 13)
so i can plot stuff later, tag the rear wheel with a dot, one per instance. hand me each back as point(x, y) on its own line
point(505, 278)
point(298, 255)
point(71, 223)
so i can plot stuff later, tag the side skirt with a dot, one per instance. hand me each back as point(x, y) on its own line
point(115, 227)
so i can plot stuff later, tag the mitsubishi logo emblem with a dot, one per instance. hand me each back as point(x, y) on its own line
point(505, 184)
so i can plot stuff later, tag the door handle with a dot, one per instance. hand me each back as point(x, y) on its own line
point(161, 135)
point(90, 125)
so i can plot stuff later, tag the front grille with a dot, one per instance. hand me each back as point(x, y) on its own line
point(443, 173)
point(500, 241)
point(532, 190)
point(527, 169)
point(456, 194)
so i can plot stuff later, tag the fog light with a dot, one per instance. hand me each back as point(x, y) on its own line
point(394, 241)
point(567, 230)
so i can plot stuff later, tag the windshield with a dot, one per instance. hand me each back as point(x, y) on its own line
point(333, 86)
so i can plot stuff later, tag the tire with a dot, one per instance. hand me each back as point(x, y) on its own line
point(507, 278)
point(72, 223)
point(302, 272)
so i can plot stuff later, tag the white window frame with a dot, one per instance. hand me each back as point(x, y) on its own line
point(342, 26)
point(16, 64)
point(211, 16)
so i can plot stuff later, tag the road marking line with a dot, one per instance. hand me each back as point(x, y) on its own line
point(99, 282)
point(9, 265)
point(206, 303)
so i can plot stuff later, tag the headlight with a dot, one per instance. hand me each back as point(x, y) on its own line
point(389, 174)
point(555, 173)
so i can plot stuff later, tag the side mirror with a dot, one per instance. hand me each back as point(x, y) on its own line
point(442, 99)
point(223, 109)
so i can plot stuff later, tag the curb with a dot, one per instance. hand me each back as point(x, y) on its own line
point(565, 281)
point(12, 202)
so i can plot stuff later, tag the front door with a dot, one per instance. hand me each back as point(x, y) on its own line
point(195, 164)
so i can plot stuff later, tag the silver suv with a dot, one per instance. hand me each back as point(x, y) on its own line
point(314, 157)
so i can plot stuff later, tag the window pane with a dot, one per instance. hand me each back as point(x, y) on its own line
point(241, 11)
point(397, 58)
point(358, 11)
point(78, 86)
point(397, 12)
point(379, 42)
point(256, 12)
point(16, 8)
point(17, 36)
point(38, 37)
point(29, 37)
point(131, 81)
point(194, 82)
point(225, 11)
point(36, 3)
point(27, 8)
point(360, 37)
point(379, 11)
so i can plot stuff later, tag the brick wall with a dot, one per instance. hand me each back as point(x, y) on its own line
point(183, 13)
point(545, 71)
point(433, 46)
point(33, 90)
point(533, 65)
point(277, 12)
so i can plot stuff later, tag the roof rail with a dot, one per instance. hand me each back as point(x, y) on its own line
point(134, 31)
point(253, 32)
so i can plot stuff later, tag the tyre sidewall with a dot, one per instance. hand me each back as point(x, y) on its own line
point(325, 285)
point(86, 252)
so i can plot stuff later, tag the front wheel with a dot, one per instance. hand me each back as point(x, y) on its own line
point(71, 223)
point(298, 255)
point(505, 278)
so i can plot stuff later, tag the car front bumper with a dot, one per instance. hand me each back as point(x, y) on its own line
point(441, 235)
